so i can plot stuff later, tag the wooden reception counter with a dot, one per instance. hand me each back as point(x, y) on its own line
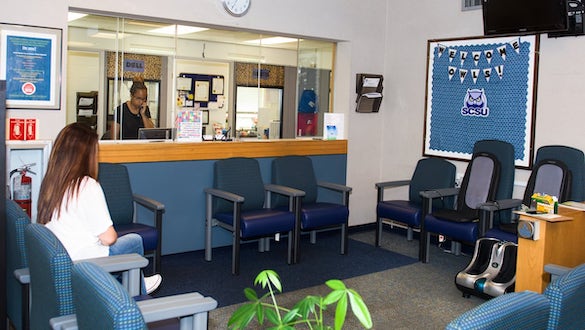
point(139, 151)
point(559, 242)
point(176, 174)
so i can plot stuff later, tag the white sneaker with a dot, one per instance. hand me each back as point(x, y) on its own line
point(152, 283)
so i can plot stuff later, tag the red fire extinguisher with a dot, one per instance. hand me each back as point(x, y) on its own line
point(22, 187)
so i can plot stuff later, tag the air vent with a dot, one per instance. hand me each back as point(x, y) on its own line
point(470, 4)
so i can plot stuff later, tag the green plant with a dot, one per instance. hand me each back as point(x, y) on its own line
point(308, 311)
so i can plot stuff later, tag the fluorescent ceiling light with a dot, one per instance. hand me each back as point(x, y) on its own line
point(181, 29)
point(271, 41)
point(110, 35)
point(71, 16)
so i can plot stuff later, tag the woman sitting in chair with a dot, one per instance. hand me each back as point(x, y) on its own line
point(72, 203)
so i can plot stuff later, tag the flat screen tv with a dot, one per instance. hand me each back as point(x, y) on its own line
point(509, 17)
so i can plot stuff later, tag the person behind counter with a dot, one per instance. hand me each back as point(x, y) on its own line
point(132, 114)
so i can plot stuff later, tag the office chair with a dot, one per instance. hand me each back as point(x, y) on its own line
point(102, 303)
point(17, 291)
point(50, 274)
point(297, 172)
point(558, 171)
point(516, 310)
point(482, 182)
point(122, 203)
point(430, 173)
point(240, 203)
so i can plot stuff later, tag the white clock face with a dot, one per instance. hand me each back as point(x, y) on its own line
point(237, 7)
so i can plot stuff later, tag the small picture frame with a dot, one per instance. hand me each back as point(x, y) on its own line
point(205, 117)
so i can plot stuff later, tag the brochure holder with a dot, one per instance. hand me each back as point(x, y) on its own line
point(369, 89)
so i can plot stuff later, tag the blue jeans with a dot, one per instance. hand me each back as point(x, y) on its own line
point(129, 243)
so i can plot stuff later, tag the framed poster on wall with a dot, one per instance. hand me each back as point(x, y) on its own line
point(480, 89)
point(30, 62)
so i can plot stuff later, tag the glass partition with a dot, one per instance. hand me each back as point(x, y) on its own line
point(105, 54)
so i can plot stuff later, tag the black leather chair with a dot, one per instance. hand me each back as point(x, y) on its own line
point(297, 172)
point(122, 203)
point(491, 161)
point(558, 171)
point(430, 173)
point(240, 203)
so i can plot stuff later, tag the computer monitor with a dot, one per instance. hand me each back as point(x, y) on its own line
point(155, 133)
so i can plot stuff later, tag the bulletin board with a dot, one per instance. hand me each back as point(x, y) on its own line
point(480, 89)
point(204, 88)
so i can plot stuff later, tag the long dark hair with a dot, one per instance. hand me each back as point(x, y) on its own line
point(74, 156)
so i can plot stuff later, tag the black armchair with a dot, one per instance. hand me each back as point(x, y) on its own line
point(558, 171)
point(489, 174)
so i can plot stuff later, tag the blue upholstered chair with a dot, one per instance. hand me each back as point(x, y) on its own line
point(102, 303)
point(17, 292)
point(517, 310)
point(297, 172)
point(240, 203)
point(567, 298)
point(489, 174)
point(558, 171)
point(122, 203)
point(50, 274)
point(430, 173)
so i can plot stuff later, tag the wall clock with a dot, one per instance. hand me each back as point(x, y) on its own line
point(237, 8)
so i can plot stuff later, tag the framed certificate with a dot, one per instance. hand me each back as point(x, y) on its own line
point(30, 62)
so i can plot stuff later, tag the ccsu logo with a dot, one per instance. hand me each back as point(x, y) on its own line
point(475, 103)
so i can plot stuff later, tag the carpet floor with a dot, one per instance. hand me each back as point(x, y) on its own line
point(187, 272)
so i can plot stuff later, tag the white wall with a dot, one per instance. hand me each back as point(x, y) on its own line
point(376, 36)
point(559, 117)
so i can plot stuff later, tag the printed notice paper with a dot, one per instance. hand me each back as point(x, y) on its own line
point(333, 126)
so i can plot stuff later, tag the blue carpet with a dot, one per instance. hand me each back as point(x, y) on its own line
point(188, 272)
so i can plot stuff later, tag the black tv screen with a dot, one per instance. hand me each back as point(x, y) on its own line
point(505, 17)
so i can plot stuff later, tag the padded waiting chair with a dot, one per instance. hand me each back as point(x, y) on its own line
point(481, 183)
point(558, 171)
point(50, 274)
point(567, 298)
point(297, 172)
point(429, 173)
point(17, 290)
point(240, 203)
point(516, 310)
point(102, 303)
point(122, 203)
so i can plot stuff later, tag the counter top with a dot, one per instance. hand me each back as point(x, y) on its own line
point(166, 151)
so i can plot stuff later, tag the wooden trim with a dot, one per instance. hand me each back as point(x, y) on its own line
point(140, 152)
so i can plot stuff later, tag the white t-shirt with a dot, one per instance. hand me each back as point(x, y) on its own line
point(82, 221)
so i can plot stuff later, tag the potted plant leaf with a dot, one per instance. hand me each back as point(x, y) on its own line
point(308, 312)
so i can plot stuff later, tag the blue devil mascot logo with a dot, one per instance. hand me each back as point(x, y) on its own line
point(475, 103)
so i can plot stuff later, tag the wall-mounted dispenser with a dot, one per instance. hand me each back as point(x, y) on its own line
point(369, 92)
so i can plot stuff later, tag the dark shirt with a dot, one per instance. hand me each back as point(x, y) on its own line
point(130, 122)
